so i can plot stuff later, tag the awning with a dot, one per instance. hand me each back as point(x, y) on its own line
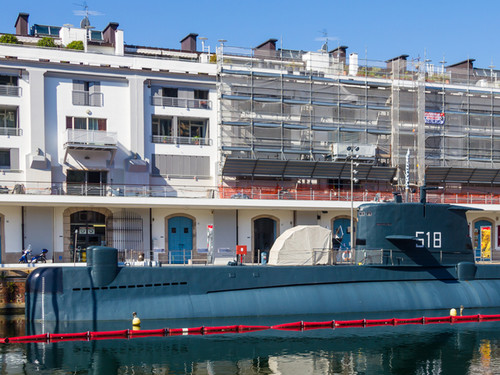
point(274, 168)
point(462, 175)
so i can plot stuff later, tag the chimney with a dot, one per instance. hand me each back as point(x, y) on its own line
point(339, 53)
point(466, 64)
point(22, 24)
point(108, 34)
point(461, 69)
point(397, 64)
point(266, 49)
point(188, 44)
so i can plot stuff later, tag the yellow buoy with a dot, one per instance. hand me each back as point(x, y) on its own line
point(453, 312)
point(135, 321)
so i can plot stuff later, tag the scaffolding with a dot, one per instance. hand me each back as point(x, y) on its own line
point(283, 105)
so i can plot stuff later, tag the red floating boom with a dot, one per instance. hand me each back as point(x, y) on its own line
point(294, 326)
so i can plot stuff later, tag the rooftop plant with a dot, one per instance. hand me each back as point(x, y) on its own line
point(9, 39)
point(76, 44)
point(46, 42)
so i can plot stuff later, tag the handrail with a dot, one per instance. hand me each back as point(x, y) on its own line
point(167, 101)
point(169, 139)
point(7, 90)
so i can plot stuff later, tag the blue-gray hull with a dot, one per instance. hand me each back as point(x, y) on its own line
point(71, 294)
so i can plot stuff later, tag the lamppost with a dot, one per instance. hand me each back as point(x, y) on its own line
point(350, 153)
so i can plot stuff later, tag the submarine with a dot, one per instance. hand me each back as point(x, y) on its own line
point(408, 256)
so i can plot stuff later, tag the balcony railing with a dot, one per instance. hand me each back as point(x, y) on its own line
point(90, 137)
point(341, 194)
point(181, 140)
point(165, 101)
point(95, 99)
point(11, 131)
point(6, 90)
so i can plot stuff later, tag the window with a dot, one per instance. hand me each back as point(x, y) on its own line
point(87, 93)
point(86, 182)
point(8, 86)
point(162, 126)
point(4, 159)
point(9, 158)
point(8, 80)
point(201, 94)
point(180, 97)
point(8, 122)
point(179, 130)
point(169, 92)
point(8, 118)
point(86, 123)
point(42, 30)
point(192, 128)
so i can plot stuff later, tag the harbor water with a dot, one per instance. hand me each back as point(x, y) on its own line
point(465, 348)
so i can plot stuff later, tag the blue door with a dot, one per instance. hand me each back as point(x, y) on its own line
point(180, 239)
point(341, 234)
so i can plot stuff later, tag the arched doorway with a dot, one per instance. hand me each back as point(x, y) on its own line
point(483, 231)
point(88, 228)
point(180, 239)
point(264, 235)
point(341, 233)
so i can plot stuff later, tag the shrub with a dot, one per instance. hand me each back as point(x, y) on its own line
point(8, 39)
point(46, 42)
point(76, 44)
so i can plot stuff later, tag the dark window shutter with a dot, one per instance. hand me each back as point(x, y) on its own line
point(69, 122)
point(101, 124)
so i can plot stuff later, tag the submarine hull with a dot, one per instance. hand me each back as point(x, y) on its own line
point(69, 294)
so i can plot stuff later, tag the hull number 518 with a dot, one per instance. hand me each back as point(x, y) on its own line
point(431, 239)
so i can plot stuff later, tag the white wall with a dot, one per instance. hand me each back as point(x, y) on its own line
point(12, 231)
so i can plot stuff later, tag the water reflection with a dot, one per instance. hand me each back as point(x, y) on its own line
point(471, 348)
point(437, 349)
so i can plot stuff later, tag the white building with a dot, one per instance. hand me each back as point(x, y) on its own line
point(135, 147)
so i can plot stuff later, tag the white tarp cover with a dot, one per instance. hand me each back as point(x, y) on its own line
point(302, 245)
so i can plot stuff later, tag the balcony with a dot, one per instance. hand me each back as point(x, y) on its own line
point(11, 131)
point(95, 99)
point(181, 140)
point(90, 140)
point(165, 101)
point(7, 90)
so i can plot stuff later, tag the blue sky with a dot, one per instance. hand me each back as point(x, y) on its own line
point(384, 29)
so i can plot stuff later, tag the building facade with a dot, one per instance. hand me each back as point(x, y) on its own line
point(171, 153)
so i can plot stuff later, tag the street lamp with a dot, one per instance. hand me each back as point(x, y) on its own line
point(350, 153)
